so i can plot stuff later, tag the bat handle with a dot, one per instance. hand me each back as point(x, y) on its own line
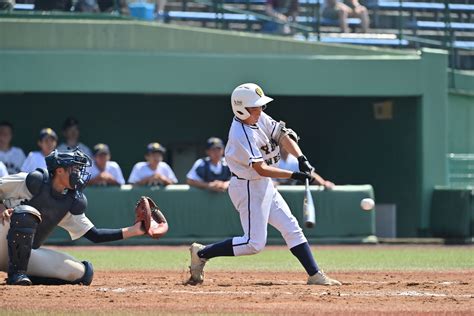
point(306, 183)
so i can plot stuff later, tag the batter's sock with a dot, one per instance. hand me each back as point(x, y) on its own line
point(219, 249)
point(304, 255)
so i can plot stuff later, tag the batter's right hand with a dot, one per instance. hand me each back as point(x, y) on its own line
point(302, 176)
point(5, 215)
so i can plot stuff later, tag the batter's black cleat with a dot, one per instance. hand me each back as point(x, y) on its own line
point(19, 279)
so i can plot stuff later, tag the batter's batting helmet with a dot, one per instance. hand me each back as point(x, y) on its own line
point(247, 95)
point(69, 158)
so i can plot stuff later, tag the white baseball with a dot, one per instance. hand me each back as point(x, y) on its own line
point(367, 204)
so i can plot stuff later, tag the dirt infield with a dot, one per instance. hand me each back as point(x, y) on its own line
point(362, 293)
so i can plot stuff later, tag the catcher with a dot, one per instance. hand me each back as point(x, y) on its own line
point(35, 203)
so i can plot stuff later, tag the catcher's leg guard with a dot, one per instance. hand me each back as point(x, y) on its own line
point(88, 275)
point(86, 279)
point(20, 239)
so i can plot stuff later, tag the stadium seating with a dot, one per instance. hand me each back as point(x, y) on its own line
point(410, 24)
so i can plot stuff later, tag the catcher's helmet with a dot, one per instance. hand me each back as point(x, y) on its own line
point(79, 177)
point(247, 95)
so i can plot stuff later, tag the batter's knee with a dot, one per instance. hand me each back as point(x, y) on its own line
point(255, 246)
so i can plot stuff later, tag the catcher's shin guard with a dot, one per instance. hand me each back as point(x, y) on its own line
point(20, 239)
point(88, 274)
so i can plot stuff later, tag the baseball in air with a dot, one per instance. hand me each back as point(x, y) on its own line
point(367, 204)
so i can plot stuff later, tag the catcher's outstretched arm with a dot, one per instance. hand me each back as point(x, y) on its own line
point(100, 235)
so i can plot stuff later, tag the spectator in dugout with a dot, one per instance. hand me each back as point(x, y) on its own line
point(13, 157)
point(337, 10)
point(103, 171)
point(211, 172)
point(288, 162)
point(47, 141)
point(153, 171)
point(71, 135)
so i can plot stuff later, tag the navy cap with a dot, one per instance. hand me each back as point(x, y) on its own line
point(69, 122)
point(101, 149)
point(47, 132)
point(214, 142)
point(155, 148)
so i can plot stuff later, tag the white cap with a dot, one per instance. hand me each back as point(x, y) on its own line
point(247, 95)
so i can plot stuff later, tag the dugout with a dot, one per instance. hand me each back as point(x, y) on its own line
point(365, 115)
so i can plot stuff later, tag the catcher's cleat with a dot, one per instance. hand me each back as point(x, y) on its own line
point(19, 279)
point(197, 264)
point(322, 279)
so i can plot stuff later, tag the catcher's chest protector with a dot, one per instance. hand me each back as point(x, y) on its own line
point(53, 207)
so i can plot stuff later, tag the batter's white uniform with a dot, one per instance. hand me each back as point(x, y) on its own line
point(142, 170)
point(254, 196)
point(13, 159)
point(111, 167)
point(43, 262)
point(34, 160)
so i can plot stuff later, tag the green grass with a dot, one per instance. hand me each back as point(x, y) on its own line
point(335, 258)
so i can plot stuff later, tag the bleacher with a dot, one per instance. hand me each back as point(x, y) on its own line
point(405, 24)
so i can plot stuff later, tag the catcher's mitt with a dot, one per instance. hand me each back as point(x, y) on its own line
point(153, 221)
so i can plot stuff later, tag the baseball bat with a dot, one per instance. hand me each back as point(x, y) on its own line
point(309, 213)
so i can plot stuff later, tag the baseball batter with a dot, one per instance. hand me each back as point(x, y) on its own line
point(36, 203)
point(252, 152)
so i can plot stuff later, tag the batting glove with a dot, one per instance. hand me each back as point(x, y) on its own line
point(302, 176)
point(304, 165)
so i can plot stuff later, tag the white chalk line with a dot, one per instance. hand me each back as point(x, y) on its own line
point(336, 292)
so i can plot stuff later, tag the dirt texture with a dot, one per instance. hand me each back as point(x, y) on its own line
point(161, 292)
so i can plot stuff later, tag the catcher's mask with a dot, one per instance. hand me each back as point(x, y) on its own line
point(76, 162)
point(247, 95)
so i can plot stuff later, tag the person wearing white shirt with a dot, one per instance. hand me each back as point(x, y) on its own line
point(287, 162)
point(71, 133)
point(47, 143)
point(103, 171)
point(12, 157)
point(3, 170)
point(211, 172)
point(153, 171)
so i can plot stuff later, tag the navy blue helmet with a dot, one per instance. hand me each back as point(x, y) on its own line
point(71, 158)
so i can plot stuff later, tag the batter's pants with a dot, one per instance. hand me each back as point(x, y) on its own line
point(260, 204)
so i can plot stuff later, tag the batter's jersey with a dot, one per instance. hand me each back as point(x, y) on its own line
point(34, 160)
point(3, 170)
point(251, 143)
point(205, 171)
point(142, 170)
point(111, 167)
point(13, 159)
point(14, 191)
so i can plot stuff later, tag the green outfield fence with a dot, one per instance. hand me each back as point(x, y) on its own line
point(195, 214)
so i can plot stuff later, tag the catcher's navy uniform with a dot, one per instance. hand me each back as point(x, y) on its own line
point(37, 210)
